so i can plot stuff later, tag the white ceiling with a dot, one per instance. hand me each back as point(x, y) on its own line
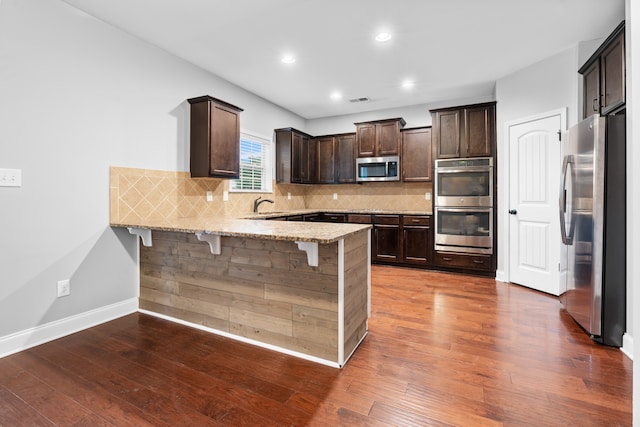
point(452, 49)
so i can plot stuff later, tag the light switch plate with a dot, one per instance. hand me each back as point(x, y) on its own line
point(427, 196)
point(225, 196)
point(335, 196)
point(209, 196)
point(10, 177)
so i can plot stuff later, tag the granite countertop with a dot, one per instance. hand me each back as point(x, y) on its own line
point(319, 232)
point(258, 225)
point(275, 214)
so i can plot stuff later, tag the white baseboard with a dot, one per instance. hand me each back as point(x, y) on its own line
point(627, 345)
point(28, 338)
point(501, 276)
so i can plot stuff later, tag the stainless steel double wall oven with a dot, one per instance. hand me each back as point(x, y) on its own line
point(463, 207)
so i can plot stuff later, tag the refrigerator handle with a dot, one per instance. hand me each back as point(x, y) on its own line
point(562, 201)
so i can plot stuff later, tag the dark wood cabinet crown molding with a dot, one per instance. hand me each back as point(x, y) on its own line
point(216, 100)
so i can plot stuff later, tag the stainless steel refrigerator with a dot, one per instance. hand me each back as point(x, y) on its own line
point(593, 226)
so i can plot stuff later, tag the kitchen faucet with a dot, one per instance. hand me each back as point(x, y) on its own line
point(258, 201)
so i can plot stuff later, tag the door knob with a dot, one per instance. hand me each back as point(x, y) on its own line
point(513, 211)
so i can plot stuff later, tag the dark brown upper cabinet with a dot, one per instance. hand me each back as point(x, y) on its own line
point(346, 158)
point(326, 160)
point(379, 138)
point(295, 157)
point(215, 138)
point(336, 159)
point(465, 131)
point(417, 164)
point(307, 160)
point(304, 159)
point(604, 76)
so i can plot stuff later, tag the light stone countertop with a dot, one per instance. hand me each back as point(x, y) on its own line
point(275, 214)
point(319, 232)
point(259, 225)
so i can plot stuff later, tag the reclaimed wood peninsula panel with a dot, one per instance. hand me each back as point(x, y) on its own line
point(263, 290)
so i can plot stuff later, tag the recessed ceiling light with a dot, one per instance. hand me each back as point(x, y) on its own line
point(408, 84)
point(336, 96)
point(288, 59)
point(383, 37)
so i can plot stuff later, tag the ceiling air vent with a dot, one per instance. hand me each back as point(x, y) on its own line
point(363, 99)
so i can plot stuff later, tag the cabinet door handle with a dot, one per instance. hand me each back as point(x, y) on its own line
point(415, 221)
point(595, 104)
point(478, 261)
point(447, 258)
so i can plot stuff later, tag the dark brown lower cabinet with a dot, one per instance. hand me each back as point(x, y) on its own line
point(333, 217)
point(417, 240)
point(402, 239)
point(359, 218)
point(385, 243)
point(458, 261)
point(312, 217)
point(408, 240)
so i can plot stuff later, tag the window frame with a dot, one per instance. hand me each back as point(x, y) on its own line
point(267, 167)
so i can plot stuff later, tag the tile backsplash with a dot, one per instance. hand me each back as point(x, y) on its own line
point(398, 196)
point(145, 194)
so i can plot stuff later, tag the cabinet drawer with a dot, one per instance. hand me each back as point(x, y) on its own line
point(386, 219)
point(416, 220)
point(359, 219)
point(475, 262)
point(329, 217)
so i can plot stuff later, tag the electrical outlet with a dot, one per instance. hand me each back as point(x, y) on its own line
point(335, 196)
point(427, 196)
point(209, 196)
point(225, 196)
point(10, 177)
point(288, 196)
point(64, 288)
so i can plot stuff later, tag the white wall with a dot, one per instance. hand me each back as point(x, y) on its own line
point(76, 97)
point(632, 27)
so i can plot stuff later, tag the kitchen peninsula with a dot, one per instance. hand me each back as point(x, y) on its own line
point(300, 288)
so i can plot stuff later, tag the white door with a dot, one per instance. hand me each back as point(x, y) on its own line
point(534, 180)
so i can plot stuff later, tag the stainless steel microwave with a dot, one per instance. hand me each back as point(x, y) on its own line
point(378, 168)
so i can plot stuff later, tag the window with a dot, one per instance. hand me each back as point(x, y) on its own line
point(255, 165)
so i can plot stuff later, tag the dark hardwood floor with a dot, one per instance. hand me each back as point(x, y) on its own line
point(442, 350)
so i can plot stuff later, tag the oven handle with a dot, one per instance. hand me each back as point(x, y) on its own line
point(465, 209)
point(467, 169)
